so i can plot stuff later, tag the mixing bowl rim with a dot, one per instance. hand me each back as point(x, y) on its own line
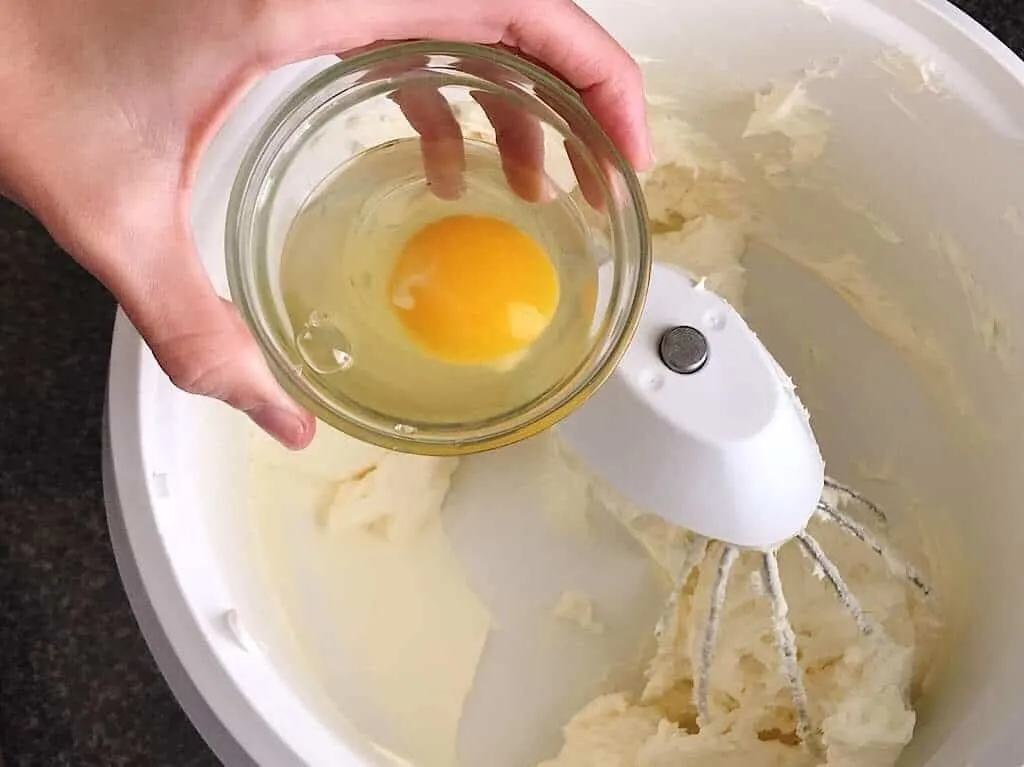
point(979, 35)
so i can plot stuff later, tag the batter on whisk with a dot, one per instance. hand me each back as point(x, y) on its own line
point(807, 651)
point(860, 686)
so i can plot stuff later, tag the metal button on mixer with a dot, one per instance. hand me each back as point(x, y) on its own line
point(683, 349)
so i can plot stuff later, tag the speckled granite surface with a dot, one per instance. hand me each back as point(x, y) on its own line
point(77, 685)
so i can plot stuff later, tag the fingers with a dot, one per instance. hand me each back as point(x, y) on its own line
point(200, 340)
point(562, 37)
point(431, 116)
point(518, 136)
point(441, 141)
point(520, 142)
point(588, 178)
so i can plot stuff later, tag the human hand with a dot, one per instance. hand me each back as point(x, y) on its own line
point(525, 152)
point(109, 104)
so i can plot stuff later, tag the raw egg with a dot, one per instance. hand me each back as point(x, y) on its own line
point(473, 289)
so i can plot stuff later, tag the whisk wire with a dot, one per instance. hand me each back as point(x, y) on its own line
point(786, 641)
point(857, 530)
point(785, 638)
point(710, 641)
point(696, 550)
point(850, 494)
point(828, 568)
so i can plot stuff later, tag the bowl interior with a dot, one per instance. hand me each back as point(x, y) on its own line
point(921, 404)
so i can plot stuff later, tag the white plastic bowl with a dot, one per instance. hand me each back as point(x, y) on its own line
point(927, 162)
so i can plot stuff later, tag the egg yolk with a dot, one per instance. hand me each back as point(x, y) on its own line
point(473, 289)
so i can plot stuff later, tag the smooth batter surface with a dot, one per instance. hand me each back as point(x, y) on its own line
point(368, 589)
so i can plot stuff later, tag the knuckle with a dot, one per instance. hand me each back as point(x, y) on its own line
point(192, 370)
point(225, 367)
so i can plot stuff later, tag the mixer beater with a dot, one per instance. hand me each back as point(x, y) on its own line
point(719, 444)
point(824, 567)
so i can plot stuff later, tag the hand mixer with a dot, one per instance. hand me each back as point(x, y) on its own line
point(701, 426)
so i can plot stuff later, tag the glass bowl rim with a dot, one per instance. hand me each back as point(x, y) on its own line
point(546, 410)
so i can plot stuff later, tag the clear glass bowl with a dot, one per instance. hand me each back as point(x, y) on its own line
point(398, 137)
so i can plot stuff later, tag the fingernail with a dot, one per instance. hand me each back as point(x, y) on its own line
point(285, 426)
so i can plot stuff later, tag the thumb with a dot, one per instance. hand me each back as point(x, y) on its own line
point(200, 340)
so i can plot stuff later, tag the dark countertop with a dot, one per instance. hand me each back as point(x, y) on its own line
point(77, 684)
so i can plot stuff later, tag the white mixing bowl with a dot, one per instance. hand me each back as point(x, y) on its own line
point(936, 149)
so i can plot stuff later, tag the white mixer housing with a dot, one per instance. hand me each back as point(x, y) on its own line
point(720, 445)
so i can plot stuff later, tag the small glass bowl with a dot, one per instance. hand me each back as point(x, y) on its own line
point(500, 106)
